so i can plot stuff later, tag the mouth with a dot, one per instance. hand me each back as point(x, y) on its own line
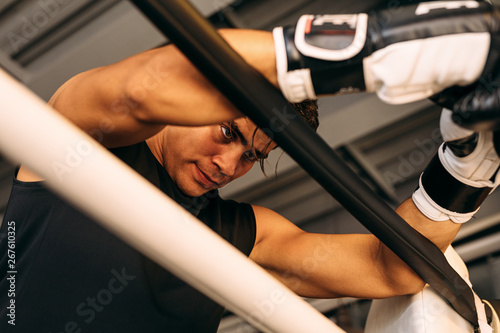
point(205, 180)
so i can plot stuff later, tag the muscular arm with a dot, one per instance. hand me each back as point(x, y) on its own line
point(131, 100)
point(354, 265)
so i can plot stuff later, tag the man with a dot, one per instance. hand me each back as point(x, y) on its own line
point(187, 139)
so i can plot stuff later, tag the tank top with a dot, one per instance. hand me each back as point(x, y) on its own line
point(71, 275)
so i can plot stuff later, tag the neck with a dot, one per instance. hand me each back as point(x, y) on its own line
point(156, 148)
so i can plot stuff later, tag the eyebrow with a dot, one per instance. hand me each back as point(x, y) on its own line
point(244, 142)
point(235, 129)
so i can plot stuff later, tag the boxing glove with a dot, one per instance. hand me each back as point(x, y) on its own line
point(476, 106)
point(403, 55)
point(460, 176)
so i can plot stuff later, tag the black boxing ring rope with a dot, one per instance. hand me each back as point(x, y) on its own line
point(258, 99)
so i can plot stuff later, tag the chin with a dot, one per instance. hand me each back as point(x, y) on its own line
point(193, 192)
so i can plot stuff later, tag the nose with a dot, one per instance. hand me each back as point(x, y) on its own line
point(227, 161)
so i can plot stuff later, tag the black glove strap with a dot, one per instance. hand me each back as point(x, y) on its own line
point(449, 193)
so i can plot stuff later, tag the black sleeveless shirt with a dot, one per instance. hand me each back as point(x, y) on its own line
point(71, 275)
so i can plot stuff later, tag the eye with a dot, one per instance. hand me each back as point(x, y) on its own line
point(226, 132)
point(250, 156)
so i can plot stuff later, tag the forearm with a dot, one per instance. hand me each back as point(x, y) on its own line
point(256, 48)
point(181, 86)
point(440, 233)
point(397, 272)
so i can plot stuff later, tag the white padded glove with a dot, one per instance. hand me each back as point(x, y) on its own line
point(460, 176)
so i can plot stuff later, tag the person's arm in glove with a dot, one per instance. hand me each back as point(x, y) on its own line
point(403, 56)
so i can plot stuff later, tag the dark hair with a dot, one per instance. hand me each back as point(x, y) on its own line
point(308, 109)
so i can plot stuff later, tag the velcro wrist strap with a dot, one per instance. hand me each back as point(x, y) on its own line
point(448, 192)
point(295, 82)
point(331, 37)
point(323, 54)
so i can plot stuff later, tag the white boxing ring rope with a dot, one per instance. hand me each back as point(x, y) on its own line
point(86, 174)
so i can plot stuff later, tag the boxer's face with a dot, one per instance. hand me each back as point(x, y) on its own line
point(200, 159)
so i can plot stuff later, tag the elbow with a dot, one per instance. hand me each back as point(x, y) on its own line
point(145, 106)
point(414, 288)
point(400, 289)
point(398, 277)
point(135, 102)
point(411, 284)
point(401, 280)
point(143, 91)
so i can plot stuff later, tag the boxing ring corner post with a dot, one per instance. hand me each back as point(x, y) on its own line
point(255, 97)
point(76, 167)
